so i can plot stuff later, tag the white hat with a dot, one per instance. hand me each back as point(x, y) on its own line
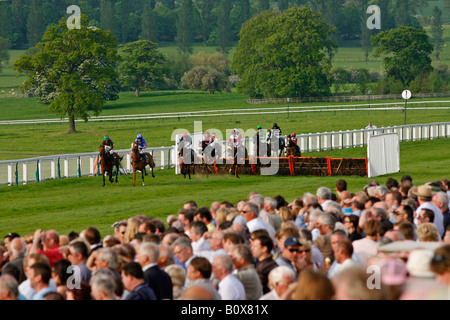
point(418, 264)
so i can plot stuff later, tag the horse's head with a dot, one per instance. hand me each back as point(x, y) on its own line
point(101, 151)
point(135, 147)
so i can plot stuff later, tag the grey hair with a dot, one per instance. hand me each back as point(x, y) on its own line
point(243, 251)
point(328, 219)
point(10, 284)
point(253, 207)
point(182, 242)
point(258, 199)
point(314, 214)
point(104, 283)
point(225, 260)
point(443, 197)
point(309, 198)
point(149, 249)
point(324, 193)
point(270, 201)
point(110, 255)
point(165, 251)
point(334, 207)
point(277, 274)
point(382, 190)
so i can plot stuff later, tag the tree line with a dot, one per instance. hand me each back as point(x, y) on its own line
point(189, 22)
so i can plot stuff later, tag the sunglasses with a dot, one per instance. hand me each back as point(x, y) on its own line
point(245, 211)
point(294, 250)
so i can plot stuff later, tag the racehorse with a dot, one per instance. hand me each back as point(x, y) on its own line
point(239, 157)
point(107, 164)
point(211, 156)
point(139, 163)
point(271, 141)
point(291, 148)
point(185, 162)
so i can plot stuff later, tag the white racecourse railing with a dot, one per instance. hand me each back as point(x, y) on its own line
point(70, 165)
point(82, 164)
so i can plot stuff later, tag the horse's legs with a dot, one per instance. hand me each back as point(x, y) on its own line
point(103, 174)
point(152, 173)
point(134, 177)
point(142, 172)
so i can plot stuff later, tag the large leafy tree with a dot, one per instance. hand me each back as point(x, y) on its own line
point(143, 66)
point(79, 66)
point(185, 28)
point(284, 54)
point(406, 52)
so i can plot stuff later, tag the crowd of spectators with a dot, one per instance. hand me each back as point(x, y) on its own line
point(388, 241)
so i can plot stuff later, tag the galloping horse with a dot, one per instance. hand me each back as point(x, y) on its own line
point(139, 163)
point(107, 164)
point(271, 141)
point(210, 156)
point(291, 148)
point(185, 162)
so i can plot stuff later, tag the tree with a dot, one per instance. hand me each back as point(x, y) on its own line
point(185, 36)
point(149, 23)
point(437, 31)
point(224, 27)
point(205, 8)
point(35, 23)
point(142, 66)
point(4, 55)
point(284, 54)
point(78, 63)
point(206, 78)
point(406, 52)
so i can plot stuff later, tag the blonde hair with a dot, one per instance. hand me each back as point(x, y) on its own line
point(233, 212)
point(221, 215)
point(177, 274)
point(313, 285)
point(286, 214)
point(132, 229)
point(428, 232)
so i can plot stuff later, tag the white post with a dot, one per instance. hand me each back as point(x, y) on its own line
point(66, 168)
point(10, 175)
point(302, 144)
point(310, 142)
point(40, 172)
point(91, 165)
point(325, 142)
point(53, 169)
point(318, 143)
point(362, 136)
point(25, 173)
point(162, 158)
point(129, 162)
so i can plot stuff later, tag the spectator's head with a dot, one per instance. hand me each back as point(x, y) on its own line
point(9, 287)
point(313, 285)
point(280, 278)
point(428, 232)
point(182, 249)
point(199, 268)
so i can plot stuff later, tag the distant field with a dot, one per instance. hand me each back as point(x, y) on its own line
point(25, 141)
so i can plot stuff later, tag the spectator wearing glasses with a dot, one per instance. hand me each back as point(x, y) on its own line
point(250, 212)
point(290, 252)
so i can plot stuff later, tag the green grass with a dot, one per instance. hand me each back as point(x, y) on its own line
point(76, 203)
point(25, 141)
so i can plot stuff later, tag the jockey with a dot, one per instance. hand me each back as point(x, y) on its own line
point(208, 138)
point(186, 138)
point(276, 127)
point(260, 133)
point(108, 144)
point(235, 139)
point(142, 145)
point(294, 138)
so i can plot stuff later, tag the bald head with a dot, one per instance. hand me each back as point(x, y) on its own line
point(197, 292)
point(394, 235)
point(18, 247)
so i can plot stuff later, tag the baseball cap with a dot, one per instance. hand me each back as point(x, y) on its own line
point(291, 241)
